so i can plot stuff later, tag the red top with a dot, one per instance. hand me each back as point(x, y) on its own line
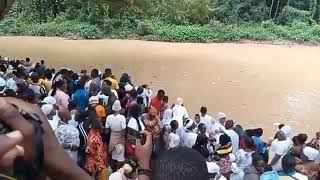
point(156, 102)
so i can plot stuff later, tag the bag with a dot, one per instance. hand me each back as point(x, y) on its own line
point(270, 175)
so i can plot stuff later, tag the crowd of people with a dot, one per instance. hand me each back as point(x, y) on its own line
point(117, 130)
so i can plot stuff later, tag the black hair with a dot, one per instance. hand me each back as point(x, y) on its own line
point(26, 94)
point(203, 110)
point(135, 112)
point(95, 72)
point(72, 105)
point(161, 92)
point(201, 125)
point(57, 84)
point(109, 83)
point(27, 59)
point(180, 164)
point(133, 162)
point(108, 71)
point(140, 100)
point(289, 163)
point(53, 70)
point(48, 74)
point(3, 68)
point(224, 139)
point(75, 76)
point(302, 138)
point(197, 114)
point(165, 98)
point(201, 145)
point(42, 61)
point(35, 77)
point(249, 143)
point(174, 125)
point(280, 126)
point(258, 132)
point(9, 93)
point(256, 158)
point(80, 85)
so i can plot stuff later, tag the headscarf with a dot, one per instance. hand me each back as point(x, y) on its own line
point(287, 130)
point(93, 100)
point(116, 106)
point(221, 115)
point(153, 111)
point(47, 108)
point(179, 101)
point(311, 153)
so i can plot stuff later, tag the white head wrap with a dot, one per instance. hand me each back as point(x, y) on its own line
point(47, 108)
point(93, 100)
point(179, 101)
point(311, 153)
point(174, 142)
point(128, 87)
point(287, 130)
point(213, 167)
point(116, 106)
point(221, 115)
point(50, 100)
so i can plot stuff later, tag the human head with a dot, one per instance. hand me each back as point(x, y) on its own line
point(258, 132)
point(42, 61)
point(3, 69)
point(48, 110)
point(180, 164)
point(94, 73)
point(280, 136)
point(64, 115)
point(317, 134)
point(249, 143)
point(135, 111)
point(94, 100)
point(116, 107)
point(229, 124)
point(179, 101)
point(48, 74)
point(289, 163)
point(34, 77)
point(27, 59)
point(165, 99)
point(130, 167)
point(203, 110)
point(95, 121)
point(107, 72)
point(174, 125)
point(202, 128)
point(161, 93)
point(152, 112)
point(197, 118)
point(258, 163)
point(222, 117)
point(224, 139)
point(302, 138)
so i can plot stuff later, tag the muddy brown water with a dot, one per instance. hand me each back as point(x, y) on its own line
point(255, 84)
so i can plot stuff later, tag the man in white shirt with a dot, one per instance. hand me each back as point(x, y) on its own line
point(179, 112)
point(233, 135)
point(212, 125)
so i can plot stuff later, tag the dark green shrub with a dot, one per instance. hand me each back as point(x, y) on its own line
point(290, 14)
point(145, 28)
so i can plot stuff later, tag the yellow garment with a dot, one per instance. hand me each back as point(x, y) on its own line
point(101, 112)
point(115, 84)
point(104, 174)
point(46, 84)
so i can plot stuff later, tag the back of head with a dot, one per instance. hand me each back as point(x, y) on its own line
point(180, 164)
point(224, 139)
point(35, 77)
point(288, 163)
point(203, 110)
point(258, 132)
point(161, 93)
point(302, 138)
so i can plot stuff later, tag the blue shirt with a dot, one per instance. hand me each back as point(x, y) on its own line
point(81, 98)
point(260, 144)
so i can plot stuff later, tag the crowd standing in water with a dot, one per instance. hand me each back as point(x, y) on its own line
point(117, 130)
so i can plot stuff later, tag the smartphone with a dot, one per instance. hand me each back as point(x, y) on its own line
point(133, 135)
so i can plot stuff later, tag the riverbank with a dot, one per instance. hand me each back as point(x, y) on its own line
point(255, 84)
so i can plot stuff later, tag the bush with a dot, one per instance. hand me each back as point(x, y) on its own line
point(290, 14)
point(145, 28)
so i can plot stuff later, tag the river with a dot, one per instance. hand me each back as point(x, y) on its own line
point(257, 85)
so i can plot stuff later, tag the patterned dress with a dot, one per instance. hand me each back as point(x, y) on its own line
point(96, 159)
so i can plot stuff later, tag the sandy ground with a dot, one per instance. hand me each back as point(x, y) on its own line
point(255, 84)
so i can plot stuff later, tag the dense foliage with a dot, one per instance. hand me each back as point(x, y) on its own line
point(168, 20)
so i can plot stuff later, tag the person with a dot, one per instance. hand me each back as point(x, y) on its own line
point(214, 171)
point(96, 153)
point(179, 112)
point(190, 135)
point(165, 105)
point(202, 129)
point(174, 138)
point(210, 123)
point(108, 76)
point(127, 172)
point(80, 97)
point(244, 156)
point(50, 112)
point(233, 135)
point(136, 124)
point(67, 135)
point(289, 163)
point(152, 122)
point(116, 125)
point(156, 102)
point(197, 122)
point(278, 149)
point(222, 118)
point(58, 92)
point(83, 128)
point(37, 88)
point(310, 168)
point(299, 143)
point(99, 109)
point(261, 145)
point(95, 80)
point(107, 97)
point(257, 168)
point(45, 79)
point(180, 164)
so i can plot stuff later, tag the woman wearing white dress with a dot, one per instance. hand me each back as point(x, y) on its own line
point(174, 138)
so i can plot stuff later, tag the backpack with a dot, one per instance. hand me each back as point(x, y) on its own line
point(270, 175)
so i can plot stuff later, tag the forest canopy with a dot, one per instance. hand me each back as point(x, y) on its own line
point(167, 20)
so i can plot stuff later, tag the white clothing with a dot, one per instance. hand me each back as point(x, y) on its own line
point(73, 122)
point(206, 119)
point(296, 175)
point(167, 116)
point(87, 85)
point(179, 113)
point(174, 140)
point(145, 95)
point(280, 148)
point(190, 139)
point(243, 159)
point(54, 122)
point(11, 84)
point(234, 139)
point(119, 175)
point(133, 124)
point(116, 122)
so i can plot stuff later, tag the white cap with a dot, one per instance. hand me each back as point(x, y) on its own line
point(179, 101)
point(116, 106)
point(47, 108)
point(128, 87)
point(50, 100)
point(221, 115)
point(311, 153)
point(213, 167)
point(93, 100)
point(287, 130)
